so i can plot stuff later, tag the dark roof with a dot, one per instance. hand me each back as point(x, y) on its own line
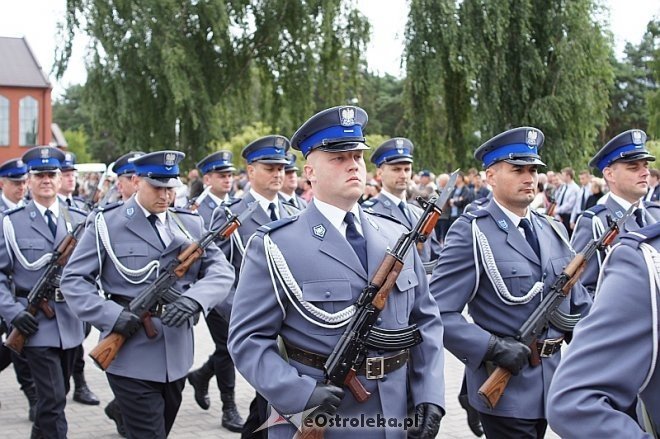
point(19, 67)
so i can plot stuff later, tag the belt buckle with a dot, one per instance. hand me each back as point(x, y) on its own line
point(368, 368)
point(58, 296)
point(548, 347)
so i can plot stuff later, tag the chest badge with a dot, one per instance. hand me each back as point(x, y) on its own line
point(319, 231)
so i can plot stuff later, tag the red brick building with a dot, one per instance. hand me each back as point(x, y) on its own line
point(25, 101)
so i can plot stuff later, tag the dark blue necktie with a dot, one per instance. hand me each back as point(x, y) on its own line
point(51, 223)
point(404, 209)
point(530, 236)
point(356, 240)
point(152, 220)
point(639, 217)
point(271, 209)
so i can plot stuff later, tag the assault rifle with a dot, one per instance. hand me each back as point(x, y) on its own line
point(162, 291)
point(47, 285)
point(548, 311)
point(351, 351)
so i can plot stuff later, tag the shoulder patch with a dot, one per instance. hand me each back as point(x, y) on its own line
point(15, 209)
point(651, 205)
point(182, 210)
point(381, 215)
point(369, 203)
point(267, 228)
point(642, 235)
point(109, 206)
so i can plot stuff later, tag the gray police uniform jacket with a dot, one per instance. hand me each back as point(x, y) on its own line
point(330, 276)
point(383, 205)
point(206, 208)
point(461, 279)
point(590, 225)
point(34, 239)
point(169, 355)
point(613, 357)
point(258, 218)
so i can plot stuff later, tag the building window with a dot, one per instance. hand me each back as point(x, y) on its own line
point(28, 110)
point(4, 121)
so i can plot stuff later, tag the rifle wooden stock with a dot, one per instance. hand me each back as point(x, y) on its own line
point(106, 351)
point(493, 388)
point(355, 386)
point(427, 229)
point(386, 277)
point(16, 339)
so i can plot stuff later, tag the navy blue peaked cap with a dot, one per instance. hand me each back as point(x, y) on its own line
point(291, 166)
point(626, 147)
point(69, 162)
point(396, 150)
point(518, 146)
point(220, 161)
point(124, 164)
point(336, 129)
point(160, 168)
point(43, 159)
point(268, 149)
point(14, 169)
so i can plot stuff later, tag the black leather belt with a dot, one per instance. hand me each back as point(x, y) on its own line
point(56, 295)
point(549, 347)
point(373, 368)
point(155, 311)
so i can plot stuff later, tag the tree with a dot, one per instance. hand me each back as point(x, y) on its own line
point(78, 142)
point(486, 66)
point(653, 29)
point(180, 73)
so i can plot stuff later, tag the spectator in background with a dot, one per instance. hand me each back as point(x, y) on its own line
point(585, 193)
point(478, 187)
point(540, 202)
point(307, 193)
point(371, 189)
point(195, 185)
point(443, 223)
point(597, 192)
point(654, 189)
point(462, 197)
point(566, 197)
point(425, 180)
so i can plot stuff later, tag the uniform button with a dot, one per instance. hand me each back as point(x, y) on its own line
point(131, 251)
point(384, 378)
point(514, 271)
point(379, 320)
point(327, 294)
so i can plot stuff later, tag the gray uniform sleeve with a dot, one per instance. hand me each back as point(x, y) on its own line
point(605, 365)
point(9, 307)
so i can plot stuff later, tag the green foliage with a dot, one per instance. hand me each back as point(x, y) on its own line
point(78, 141)
point(237, 142)
point(483, 67)
point(181, 74)
point(653, 31)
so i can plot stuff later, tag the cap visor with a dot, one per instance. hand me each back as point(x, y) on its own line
point(342, 147)
point(632, 158)
point(164, 182)
point(521, 161)
point(272, 161)
point(42, 170)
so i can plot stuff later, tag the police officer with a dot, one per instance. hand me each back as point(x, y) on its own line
point(324, 257)
point(123, 249)
point(266, 158)
point(394, 159)
point(624, 164)
point(290, 184)
point(613, 357)
point(13, 175)
point(124, 169)
point(68, 187)
point(218, 170)
point(498, 261)
point(31, 233)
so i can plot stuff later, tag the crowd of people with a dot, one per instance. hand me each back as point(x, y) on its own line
point(287, 261)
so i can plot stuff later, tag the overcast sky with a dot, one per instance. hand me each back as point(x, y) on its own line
point(37, 21)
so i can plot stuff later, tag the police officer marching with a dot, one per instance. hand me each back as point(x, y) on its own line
point(612, 363)
point(31, 233)
point(266, 159)
point(498, 260)
point(68, 185)
point(290, 184)
point(122, 250)
point(394, 159)
point(218, 170)
point(300, 279)
point(624, 162)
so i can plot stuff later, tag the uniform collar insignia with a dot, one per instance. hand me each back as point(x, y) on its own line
point(387, 203)
point(211, 204)
point(33, 214)
point(619, 214)
point(502, 224)
point(319, 231)
point(130, 211)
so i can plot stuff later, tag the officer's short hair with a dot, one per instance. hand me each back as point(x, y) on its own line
point(568, 171)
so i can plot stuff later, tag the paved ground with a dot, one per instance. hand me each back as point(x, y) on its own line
point(192, 422)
